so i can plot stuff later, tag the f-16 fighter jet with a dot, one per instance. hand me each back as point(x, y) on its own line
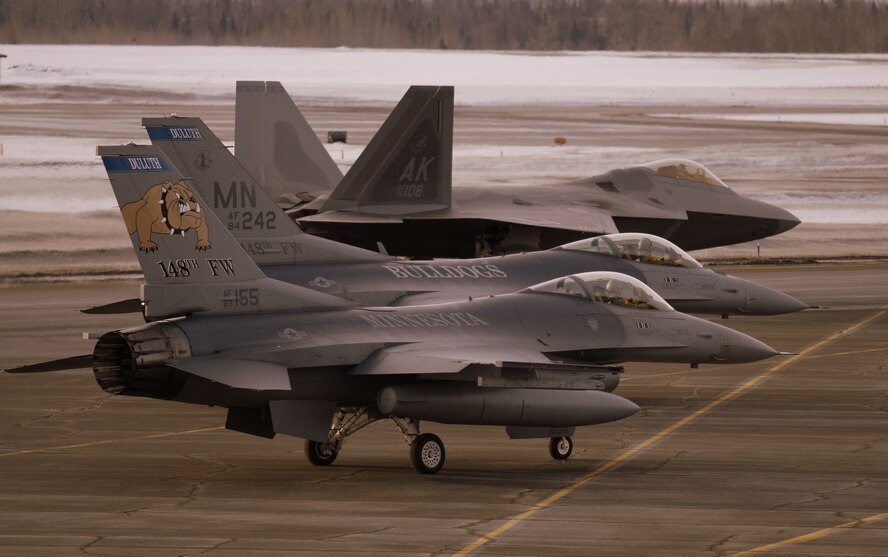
point(284, 252)
point(286, 359)
point(407, 202)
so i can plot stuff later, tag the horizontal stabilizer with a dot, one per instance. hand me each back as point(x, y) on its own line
point(65, 364)
point(132, 305)
point(239, 374)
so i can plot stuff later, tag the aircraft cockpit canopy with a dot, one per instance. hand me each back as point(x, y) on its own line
point(605, 287)
point(685, 170)
point(636, 246)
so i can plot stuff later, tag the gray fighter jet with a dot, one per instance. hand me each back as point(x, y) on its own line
point(285, 359)
point(285, 253)
point(406, 201)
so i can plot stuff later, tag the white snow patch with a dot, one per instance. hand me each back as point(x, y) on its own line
point(847, 118)
point(344, 75)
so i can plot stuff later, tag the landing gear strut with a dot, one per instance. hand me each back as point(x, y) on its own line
point(560, 447)
point(426, 449)
point(346, 421)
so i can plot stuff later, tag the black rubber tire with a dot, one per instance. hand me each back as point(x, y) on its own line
point(427, 453)
point(320, 454)
point(561, 447)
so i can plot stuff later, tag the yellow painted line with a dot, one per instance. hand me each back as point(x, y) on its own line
point(690, 371)
point(849, 353)
point(812, 536)
point(725, 368)
point(112, 441)
point(633, 451)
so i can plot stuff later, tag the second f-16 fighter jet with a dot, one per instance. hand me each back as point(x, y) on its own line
point(407, 203)
point(286, 359)
point(284, 252)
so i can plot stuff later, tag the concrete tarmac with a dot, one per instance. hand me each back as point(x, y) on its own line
point(722, 460)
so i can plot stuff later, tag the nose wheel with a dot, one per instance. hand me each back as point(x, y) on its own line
point(427, 453)
point(561, 447)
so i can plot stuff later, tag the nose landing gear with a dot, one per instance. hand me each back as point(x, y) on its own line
point(560, 448)
point(320, 454)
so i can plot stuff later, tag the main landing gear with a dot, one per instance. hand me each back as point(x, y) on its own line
point(426, 450)
point(346, 421)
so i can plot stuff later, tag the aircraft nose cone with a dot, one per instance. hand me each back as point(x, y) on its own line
point(768, 301)
point(785, 221)
point(739, 348)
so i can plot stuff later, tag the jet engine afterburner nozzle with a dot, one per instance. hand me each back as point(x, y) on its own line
point(130, 361)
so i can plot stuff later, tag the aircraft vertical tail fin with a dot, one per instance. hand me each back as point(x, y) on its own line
point(191, 263)
point(407, 166)
point(277, 145)
point(264, 230)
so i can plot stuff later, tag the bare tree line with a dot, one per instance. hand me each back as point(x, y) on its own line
point(708, 26)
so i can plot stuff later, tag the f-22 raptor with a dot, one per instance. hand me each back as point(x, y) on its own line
point(407, 202)
point(285, 359)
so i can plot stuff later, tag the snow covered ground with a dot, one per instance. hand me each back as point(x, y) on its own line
point(345, 75)
point(617, 109)
point(842, 118)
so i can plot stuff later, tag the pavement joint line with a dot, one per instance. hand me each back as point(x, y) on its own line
point(811, 536)
point(112, 441)
point(633, 451)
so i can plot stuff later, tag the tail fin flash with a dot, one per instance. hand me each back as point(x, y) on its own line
point(407, 166)
point(190, 261)
point(264, 230)
point(277, 145)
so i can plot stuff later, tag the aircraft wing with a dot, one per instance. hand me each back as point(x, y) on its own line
point(558, 206)
point(424, 359)
point(583, 219)
point(240, 374)
point(351, 217)
point(563, 216)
